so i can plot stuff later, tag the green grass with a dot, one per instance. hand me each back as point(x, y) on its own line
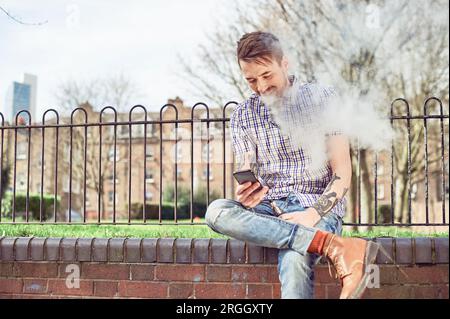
point(104, 231)
point(391, 231)
point(173, 231)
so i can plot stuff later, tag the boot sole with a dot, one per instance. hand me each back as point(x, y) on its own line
point(369, 258)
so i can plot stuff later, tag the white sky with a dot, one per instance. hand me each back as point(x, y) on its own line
point(89, 39)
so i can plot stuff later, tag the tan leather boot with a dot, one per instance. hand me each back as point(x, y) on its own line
point(351, 258)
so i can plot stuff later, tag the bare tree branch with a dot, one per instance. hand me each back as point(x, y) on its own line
point(18, 20)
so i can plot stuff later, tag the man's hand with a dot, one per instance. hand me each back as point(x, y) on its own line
point(307, 218)
point(247, 197)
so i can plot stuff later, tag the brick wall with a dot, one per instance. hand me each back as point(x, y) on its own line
point(198, 268)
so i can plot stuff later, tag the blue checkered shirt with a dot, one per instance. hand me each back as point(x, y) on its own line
point(278, 165)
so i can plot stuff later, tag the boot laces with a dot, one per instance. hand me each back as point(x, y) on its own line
point(340, 273)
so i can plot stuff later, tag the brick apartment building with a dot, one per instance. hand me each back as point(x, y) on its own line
point(156, 157)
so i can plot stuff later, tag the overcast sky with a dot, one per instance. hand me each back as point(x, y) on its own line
point(86, 39)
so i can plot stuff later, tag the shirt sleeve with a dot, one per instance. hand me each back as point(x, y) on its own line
point(239, 138)
point(330, 95)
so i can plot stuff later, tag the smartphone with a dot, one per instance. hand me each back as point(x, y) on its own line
point(246, 176)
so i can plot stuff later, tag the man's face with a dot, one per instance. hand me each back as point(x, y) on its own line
point(266, 77)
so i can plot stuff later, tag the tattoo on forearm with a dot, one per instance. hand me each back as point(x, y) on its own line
point(328, 199)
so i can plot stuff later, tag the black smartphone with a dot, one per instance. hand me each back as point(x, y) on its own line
point(246, 176)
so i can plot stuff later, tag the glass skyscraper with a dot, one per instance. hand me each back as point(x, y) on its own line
point(21, 96)
point(21, 99)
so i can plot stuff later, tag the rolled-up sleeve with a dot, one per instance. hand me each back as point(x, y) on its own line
point(239, 138)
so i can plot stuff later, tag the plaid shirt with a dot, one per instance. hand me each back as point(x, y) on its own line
point(278, 165)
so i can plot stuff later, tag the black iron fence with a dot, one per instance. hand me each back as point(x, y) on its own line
point(41, 165)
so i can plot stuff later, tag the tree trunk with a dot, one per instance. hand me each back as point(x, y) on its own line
point(401, 199)
point(353, 202)
point(366, 190)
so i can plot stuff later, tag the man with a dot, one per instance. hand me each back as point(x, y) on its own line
point(293, 211)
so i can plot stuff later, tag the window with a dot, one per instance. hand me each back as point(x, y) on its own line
point(179, 171)
point(137, 130)
point(205, 153)
point(380, 192)
point(22, 150)
point(179, 153)
point(39, 165)
point(21, 182)
point(149, 153)
point(111, 154)
point(124, 129)
point(148, 195)
point(150, 129)
point(111, 179)
point(149, 178)
point(110, 130)
point(380, 169)
point(111, 197)
point(205, 174)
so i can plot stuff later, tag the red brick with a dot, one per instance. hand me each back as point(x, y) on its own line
point(276, 291)
point(388, 274)
point(14, 296)
point(319, 291)
point(105, 288)
point(142, 272)
point(35, 286)
point(427, 292)
point(105, 271)
point(333, 291)
point(36, 269)
point(59, 287)
point(193, 273)
point(219, 291)
point(259, 291)
point(10, 285)
point(143, 289)
point(437, 274)
point(389, 292)
point(250, 273)
point(273, 275)
point(181, 290)
point(6, 269)
point(218, 273)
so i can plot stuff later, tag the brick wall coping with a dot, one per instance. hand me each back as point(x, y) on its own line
point(422, 250)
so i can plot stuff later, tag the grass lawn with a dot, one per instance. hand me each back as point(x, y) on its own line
point(172, 231)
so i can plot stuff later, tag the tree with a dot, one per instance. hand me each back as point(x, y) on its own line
point(377, 50)
point(18, 20)
point(116, 91)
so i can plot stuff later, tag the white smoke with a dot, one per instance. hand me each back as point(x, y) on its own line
point(308, 126)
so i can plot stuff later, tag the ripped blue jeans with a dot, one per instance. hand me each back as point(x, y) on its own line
point(260, 226)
